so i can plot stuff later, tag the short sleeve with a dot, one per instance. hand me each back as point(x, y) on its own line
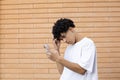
point(88, 57)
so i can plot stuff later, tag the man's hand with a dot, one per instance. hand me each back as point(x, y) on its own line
point(56, 44)
point(53, 55)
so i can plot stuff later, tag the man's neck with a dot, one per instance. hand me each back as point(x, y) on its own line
point(77, 37)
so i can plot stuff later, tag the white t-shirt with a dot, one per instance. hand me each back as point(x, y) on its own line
point(84, 54)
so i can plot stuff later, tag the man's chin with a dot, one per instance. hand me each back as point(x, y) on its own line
point(70, 43)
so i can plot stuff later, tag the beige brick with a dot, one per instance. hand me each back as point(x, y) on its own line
point(101, 70)
point(9, 11)
point(17, 6)
point(8, 56)
point(9, 51)
point(9, 71)
point(9, 76)
point(27, 66)
point(110, 40)
point(12, 46)
point(33, 21)
point(33, 71)
point(23, 56)
point(33, 61)
point(58, 5)
point(32, 31)
point(35, 41)
point(30, 61)
point(108, 65)
point(53, 71)
point(108, 60)
point(16, 26)
point(47, 76)
point(61, 10)
point(33, 10)
point(10, 31)
point(86, 0)
point(110, 45)
point(5, 61)
point(7, 41)
point(108, 54)
point(9, 21)
point(35, 36)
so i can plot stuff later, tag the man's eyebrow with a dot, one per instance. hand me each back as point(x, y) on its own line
point(61, 38)
point(62, 34)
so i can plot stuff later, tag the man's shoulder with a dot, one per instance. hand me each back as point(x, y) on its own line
point(88, 41)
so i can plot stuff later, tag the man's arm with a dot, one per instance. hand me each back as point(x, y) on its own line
point(73, 66)
point(57, 47)
point(59, 66)
point(61, 62)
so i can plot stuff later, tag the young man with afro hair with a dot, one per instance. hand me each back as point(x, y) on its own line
point(79, 61)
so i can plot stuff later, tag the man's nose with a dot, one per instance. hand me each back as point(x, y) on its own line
point(64, 40)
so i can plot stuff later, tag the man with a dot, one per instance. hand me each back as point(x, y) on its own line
point(79, 61)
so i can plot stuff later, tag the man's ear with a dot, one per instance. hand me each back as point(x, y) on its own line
point(71, 29)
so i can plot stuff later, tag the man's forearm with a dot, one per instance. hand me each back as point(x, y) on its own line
point(72, 66)
point(56, 45)
point(60, 67)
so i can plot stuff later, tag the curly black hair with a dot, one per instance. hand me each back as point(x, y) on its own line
point(61, 26)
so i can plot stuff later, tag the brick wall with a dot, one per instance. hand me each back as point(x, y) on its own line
point(25, 25)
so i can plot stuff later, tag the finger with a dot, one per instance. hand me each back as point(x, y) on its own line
point(48, 56)
point(58, 43)
point(49, 53)
point(54, 41)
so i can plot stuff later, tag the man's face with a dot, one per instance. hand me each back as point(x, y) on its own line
point(68, 37)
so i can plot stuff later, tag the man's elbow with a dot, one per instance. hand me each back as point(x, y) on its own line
point(83, 72)
point(60, 72)
point(80, 70)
